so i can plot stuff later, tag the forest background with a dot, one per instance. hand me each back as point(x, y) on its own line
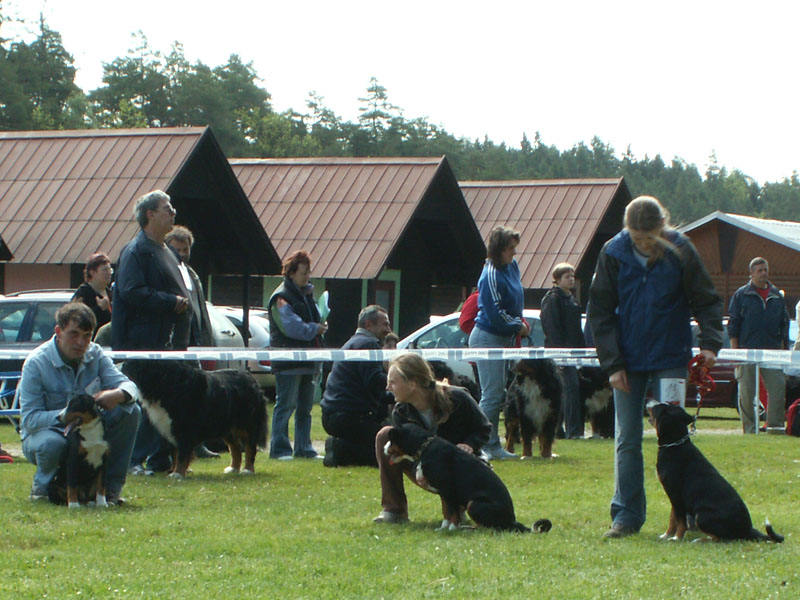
point(147, 88)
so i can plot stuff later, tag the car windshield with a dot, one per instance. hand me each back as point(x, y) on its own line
point(44, 320)
point(11, 317)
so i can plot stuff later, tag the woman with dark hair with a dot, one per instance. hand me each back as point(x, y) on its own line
point(95, 291)
point(498, 322)
point(294, 323)
point(648, 283)
point(446, 411)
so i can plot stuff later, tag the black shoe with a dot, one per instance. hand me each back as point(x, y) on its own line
point(202, 452)
point(330, 459)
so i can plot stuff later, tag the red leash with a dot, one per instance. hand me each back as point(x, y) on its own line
point(700, 377)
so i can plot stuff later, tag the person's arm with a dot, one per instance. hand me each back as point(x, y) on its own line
point(490, 298)
point(704, 302)
point(734, 320)
point(291, 324)
point(34, 414)
point(552, 322)
point(603, 320)
point(116, 387)
point(134, 289)
point(476, 428)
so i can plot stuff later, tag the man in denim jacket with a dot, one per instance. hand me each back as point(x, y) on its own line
point(759, 319)
point(66, 365)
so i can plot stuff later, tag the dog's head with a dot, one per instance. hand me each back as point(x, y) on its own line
point(670, 420)
point(405, 442)
point(81, 409)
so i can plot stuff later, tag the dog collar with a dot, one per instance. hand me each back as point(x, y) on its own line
point(424, 447)
point(678, 443)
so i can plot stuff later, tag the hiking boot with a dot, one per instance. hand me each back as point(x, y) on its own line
point(618, 530)
point(393, 518)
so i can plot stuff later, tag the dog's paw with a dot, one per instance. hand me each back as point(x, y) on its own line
point(72, 505)
point(445, 524)
point(101, 502)
point(246, 472)
point(229, 470)
point(175, 475)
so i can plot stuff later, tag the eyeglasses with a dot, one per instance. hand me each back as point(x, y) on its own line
point(168, 208)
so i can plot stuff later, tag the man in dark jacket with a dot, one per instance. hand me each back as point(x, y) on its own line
point(151, 307)
point(355, 405)
point(561, 322)
point(759, 319)
point(181, 240)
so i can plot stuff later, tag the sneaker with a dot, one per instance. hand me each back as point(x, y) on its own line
point(202, 452)
point(393, 518)
point(114, 499)
point(36, 497)
point(618, 530)
point(498, 454)
point(136, 470)
point(329, 460)
point(286, 457)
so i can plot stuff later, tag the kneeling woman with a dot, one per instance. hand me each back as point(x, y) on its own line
point(447, 411)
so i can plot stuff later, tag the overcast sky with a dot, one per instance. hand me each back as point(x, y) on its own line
point(680, 78)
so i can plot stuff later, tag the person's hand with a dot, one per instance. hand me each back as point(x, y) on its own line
point(619, 381)
point(109, 399)
point(103, 303)
point(466, 448)
point(709, 358)
point(322, 328)
point(525, 330)
point(181, 304)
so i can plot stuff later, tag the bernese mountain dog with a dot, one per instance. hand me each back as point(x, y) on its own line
point(532, 406)
point(79, 478)
point(597, 399)
point(188, 405)
point(694, 487)
point(463, 481)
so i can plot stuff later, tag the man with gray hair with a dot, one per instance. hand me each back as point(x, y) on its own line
point(759, 319)
point(355, 405)
point(152, 310)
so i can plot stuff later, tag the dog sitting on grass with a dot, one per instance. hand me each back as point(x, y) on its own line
point(79, 478)
point(694, 487)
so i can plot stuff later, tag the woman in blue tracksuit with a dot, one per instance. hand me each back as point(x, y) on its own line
point(648, 283)
point(498, 322)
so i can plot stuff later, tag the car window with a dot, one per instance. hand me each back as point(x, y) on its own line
point(11, 317)
point(44, 321)
point(726, 341)
point(446, 334)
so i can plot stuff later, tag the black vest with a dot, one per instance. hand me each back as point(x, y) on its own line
point(304, 307)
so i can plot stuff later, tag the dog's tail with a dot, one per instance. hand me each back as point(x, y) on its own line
point(771, 535)
point(542, 526)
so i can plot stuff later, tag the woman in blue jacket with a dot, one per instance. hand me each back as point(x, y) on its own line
point(497, 324)
point(648, 283)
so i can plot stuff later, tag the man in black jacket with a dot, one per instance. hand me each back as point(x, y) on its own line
point(355, 404)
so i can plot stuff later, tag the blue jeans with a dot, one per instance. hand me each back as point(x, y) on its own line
point(629, 505)
point(492, 374)
point(293, 394)
point(571, 399)
point(45, 449)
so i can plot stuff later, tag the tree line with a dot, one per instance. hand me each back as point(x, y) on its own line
point(147, 88)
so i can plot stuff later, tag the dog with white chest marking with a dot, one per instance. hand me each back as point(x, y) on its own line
point(188, 405)
point(597, 399)
point(533, 406)
point(79, 478)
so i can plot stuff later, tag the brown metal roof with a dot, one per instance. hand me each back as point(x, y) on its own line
point(348, 213)
point(558, 219)
point(66, 194)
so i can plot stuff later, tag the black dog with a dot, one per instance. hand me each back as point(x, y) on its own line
point(441, 372)
point(533, 406)
point(597, 399)
point(79, 478)
point(695, 487)
point(463, 481)
point(187, 405)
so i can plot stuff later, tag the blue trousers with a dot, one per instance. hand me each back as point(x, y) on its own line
point(45, 449)
point(492, 374)
point(629, 505)
point(293, 394)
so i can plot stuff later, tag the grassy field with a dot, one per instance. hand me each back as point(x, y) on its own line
point(299, 530)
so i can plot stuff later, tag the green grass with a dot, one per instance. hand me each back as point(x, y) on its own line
point(299, 530)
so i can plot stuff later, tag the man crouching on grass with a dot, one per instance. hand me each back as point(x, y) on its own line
point(66, 365)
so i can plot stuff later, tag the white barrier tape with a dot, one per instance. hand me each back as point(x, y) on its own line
point(565, 356)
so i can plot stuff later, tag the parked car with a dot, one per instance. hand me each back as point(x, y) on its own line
point(259, 338)
point(444, 332)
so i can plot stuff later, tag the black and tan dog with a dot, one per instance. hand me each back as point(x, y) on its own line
point(79, 478)
point(597, 399)
point(695, 487)
point(533, 406)
point(463, 481)
point(188, 405)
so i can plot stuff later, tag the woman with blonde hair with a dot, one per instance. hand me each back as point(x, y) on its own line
point(648, 284)
point(444, 410)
